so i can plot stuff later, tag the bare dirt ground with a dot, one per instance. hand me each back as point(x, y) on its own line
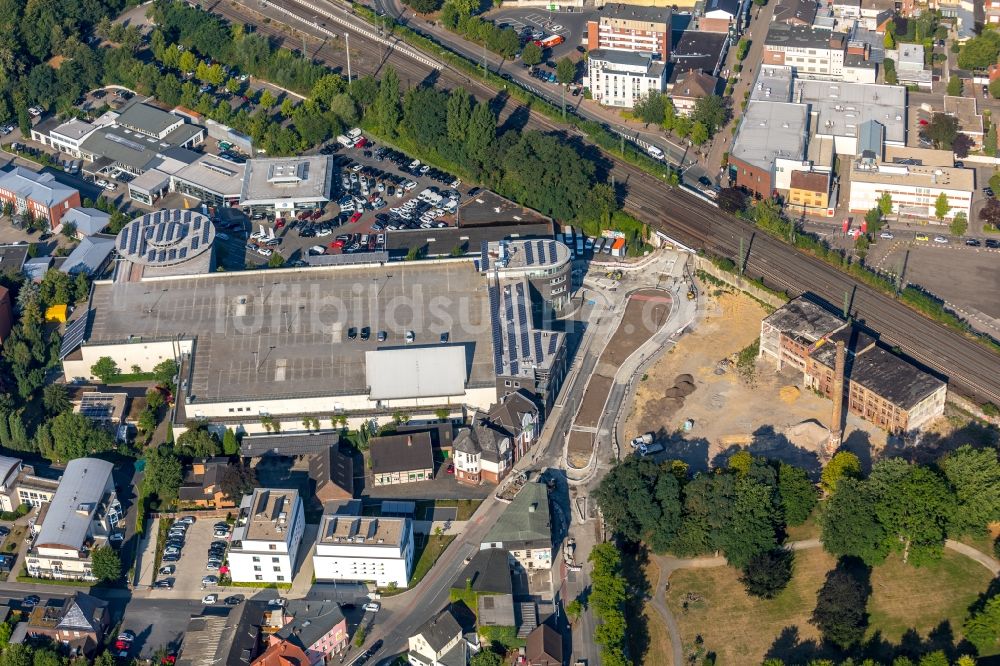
point(726, 409)
point(644, 314)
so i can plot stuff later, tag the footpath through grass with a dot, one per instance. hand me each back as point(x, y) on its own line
point(741, 629)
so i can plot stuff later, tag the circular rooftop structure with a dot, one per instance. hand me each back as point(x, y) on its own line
point(166, 237)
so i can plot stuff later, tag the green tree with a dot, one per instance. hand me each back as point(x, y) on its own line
point(711, 112)
point(885, 204)
point(607, 599)
point(843, 464)
point(387, 109)
point(959, 224)
point(974, 475)
point(915, 505)
point(574, 610)
point(980, 52)
point(198, 442)
point(850, 526)
point(699, 133)
point(164, 372)
point(531, 54)
point(459, 114)
point(982, 627)
point(651, 107)
point(990, 142)
point(16, 654)
point(797, 494)
point(767, 574)
point(740, 462)
point(941, 130)
point(486, 657)
point(751, 528)
point(237, 481)
point(424, 6)
point(55, 398)
point(275, 261)
point(565, 71)
point(267, 99)
point(163, 474)
point(888, 41)
point(230, 445)
point(105, 564)
point(840, 613)
point(941, 206)
point(147, 421)
point(641, 504)
point(105, 369)
point(75, 436)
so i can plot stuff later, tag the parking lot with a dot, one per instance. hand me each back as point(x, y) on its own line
point(190, 568)
point(570, 25)
point(377, 191)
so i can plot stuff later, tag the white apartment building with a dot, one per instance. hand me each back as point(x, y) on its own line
point(914, 189)
point(364, 549)
point(629, 27)
point(83, 513)
point(622, 78)
point(267, 536)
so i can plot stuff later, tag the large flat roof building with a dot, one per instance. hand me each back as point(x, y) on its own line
point(285, 185)
point(768, 131)
point(267, 536)
point(361, 548)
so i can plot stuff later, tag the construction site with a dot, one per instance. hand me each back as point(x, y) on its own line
point(710, 395)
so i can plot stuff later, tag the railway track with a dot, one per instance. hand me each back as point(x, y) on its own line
point(969, 367)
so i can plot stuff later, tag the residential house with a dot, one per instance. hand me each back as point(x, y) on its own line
point(318, 628)
point(357, 548)
point(544, 647)
point(525, 528)
point(37, 194)
point(282, 653)
point(91, 256)
point(622, 78)
point(690, 87)
point(401, 458)
point(267, 536)
point(488, 576)
point(486, 451)
point(202, 485)
point(795, 12)
point(10, 468)
point(78, 623)
point(809, 193)
point(87, 221)
point(332, 473)
point(81, 516)
point(438, 642)
point(222, 636)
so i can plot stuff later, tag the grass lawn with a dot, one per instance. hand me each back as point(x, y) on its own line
point(740, 629)
point(807, 530)
point(428, 551)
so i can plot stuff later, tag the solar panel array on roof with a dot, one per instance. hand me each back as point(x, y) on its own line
point(73, 337)
point(484, 258)
point(538, 347)
point(552, 344)
point(529, 255)
point(494, 292)
point(552, 251)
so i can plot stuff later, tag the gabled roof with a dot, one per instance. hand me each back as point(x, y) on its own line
point(42, 188)
point(88, 221)
point(694, 84)
point(83, 612)
point(80, 491)
point(440, 630)
point(89, 256)
point(544, 647)
point(284, 653)
point(307, 621)
point(488, 571)
point(484, 437)
point(401, 453)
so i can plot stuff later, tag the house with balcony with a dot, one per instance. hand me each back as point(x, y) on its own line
point(83, 513)
point(267, 536)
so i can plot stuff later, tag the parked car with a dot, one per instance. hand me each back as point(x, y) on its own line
point(210, 580)
point(886, 234)
point(209, 599)
point(165, 584)
point(372, 607)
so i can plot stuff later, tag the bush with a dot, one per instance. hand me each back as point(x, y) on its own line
point(996, 548)
point(767, 574)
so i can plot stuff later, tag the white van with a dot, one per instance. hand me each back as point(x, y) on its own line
point(355, 133)
point(655, 153)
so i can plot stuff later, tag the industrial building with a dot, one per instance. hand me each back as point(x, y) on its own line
point(366, 339)
point(879, 386)
point(357, 548)
point(267, 536)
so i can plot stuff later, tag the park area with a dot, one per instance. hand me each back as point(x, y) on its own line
point(920, 608)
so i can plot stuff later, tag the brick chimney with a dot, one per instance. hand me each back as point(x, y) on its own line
point(836, 431)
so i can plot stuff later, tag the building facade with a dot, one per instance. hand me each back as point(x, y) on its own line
point(631, 28)
point(267, 536)
point(915, 189)
point(83, 513)
point(496, 440)
point(318, 628)
point(438, 642)
point(622, 78)
point(401, 458)
point(37, 194)
point(809, 193)
point(356, 548)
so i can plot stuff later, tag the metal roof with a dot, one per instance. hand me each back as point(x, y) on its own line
point(88, 221)
point(42, 188)
point(74, 503)
point(525, 522)
point(416, 372)
point(89, 256)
